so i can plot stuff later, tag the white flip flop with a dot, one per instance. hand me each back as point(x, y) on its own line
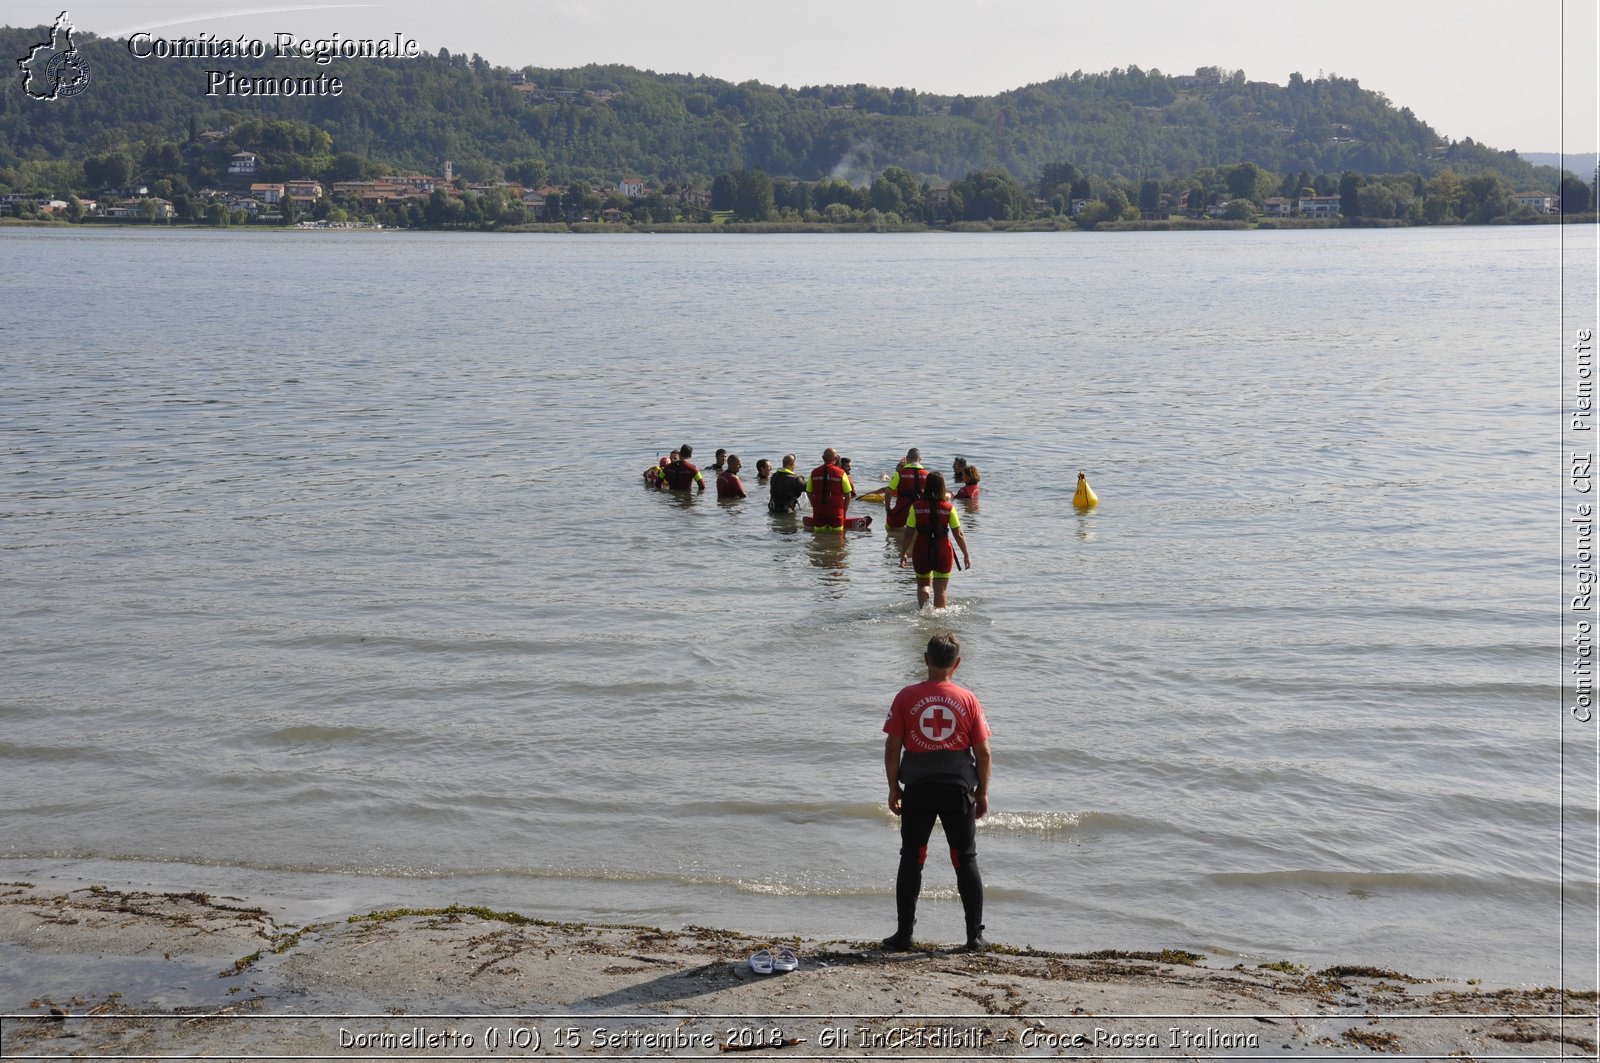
point(785, 961)
point(761, 962)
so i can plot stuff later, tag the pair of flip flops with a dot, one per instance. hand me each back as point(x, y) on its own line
point(768, 961)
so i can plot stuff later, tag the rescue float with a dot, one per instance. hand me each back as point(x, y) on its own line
point(850, 523)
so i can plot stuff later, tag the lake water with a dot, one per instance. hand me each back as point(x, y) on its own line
point(327, 575)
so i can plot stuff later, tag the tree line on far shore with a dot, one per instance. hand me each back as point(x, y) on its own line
point(1062, 195)
point(1081, 149)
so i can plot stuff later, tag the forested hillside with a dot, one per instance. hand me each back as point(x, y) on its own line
point(604, 122)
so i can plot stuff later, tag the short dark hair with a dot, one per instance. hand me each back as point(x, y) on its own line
point(944, 649)
point(684, 451)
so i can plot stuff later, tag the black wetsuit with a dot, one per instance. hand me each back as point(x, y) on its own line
point(785, 489)
point(955, 808)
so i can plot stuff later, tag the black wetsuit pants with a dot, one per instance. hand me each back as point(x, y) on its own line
point(956, 810)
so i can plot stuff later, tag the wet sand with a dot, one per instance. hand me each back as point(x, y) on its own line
point(95, 971)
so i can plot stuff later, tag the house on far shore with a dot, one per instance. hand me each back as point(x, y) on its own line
point(632, 187)
point(1319, 206)
point(303, 193)
point(1278, 207)
point(374, 195)
point(267, 193)
point(156, 209)
point(1539, 202)
point(243, 164)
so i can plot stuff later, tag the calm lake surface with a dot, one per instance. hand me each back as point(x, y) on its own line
point(325, 574)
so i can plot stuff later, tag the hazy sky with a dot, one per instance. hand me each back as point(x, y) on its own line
point(1508, 75)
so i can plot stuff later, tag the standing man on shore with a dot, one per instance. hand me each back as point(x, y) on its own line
point(936, 756)
point(830, 488)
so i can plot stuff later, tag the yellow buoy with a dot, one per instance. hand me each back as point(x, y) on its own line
point(1084, 497)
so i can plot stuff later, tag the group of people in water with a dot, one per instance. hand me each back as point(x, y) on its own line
point(916, 503)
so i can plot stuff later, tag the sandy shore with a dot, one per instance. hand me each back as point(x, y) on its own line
point(93, 971)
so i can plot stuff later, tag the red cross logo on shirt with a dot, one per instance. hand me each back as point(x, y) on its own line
point(936, 723)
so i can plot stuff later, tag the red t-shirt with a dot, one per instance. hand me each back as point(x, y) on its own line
point(936, 715)
point(729, 486)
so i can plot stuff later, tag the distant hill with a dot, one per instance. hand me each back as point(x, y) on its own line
point(1580, 165)
point(604, 122)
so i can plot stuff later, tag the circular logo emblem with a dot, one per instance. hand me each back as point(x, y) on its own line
point(937, 723)
point(68, 73)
